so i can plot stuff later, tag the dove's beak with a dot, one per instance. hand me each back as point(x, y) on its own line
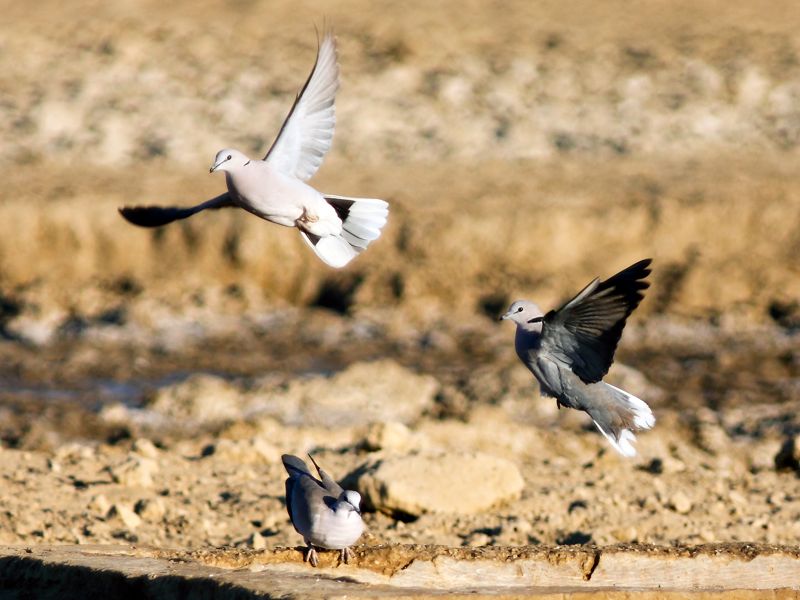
point(216, 166)
point(505, 316)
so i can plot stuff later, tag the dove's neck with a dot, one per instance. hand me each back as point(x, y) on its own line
point(530, 328)
point(528, 338)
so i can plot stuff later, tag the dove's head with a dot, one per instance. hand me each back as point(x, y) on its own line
point(229, 160)
point(350, 500)
point(524, 313)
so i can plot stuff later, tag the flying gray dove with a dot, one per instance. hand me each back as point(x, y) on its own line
point(337, 228)
point(570, 350)
point(326, 515)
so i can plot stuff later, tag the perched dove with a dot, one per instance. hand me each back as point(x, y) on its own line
point(336, 227)
point(326, 515)
point(570, 350)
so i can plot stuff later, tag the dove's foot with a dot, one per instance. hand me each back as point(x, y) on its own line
point(307, 218)
point(311, 556)
point(345, 554)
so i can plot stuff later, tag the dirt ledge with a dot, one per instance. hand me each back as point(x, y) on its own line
point(405, 571)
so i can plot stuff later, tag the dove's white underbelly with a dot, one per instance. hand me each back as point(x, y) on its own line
point(271, 195)
point(336, 529)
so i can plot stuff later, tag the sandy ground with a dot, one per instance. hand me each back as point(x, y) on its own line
point(524, 150)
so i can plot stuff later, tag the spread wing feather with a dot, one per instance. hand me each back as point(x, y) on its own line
point(156, 216)
point(583, 334)
point(307, 133)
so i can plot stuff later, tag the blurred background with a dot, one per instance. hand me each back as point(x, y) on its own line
point(524, 147)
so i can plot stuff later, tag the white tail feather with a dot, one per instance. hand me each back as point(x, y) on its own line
point(362, 225)
point(643, 418)
point(333, 250)
point(624, 445)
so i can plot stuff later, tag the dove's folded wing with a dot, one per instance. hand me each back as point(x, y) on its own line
point(307, 499)
point(328, 482)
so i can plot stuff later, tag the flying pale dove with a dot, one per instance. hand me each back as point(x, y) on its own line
point(337, 228)
point(570, 350)
point(326, 515)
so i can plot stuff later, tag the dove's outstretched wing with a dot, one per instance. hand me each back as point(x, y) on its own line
point(155, 216)
point(583, 334)
point(306, 134)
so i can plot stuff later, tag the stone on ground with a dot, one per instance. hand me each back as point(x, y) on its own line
point(460, 483)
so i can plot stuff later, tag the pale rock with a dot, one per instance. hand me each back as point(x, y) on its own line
point(388, 436)
point(670, 465)
point(151, 510)
point(250, 451)
point(125, 514)
point(115, 414)
point(99, 504)
point(718, 509)
point(213, 527)
point(761, 456)
point(625, 534)
point(707, 535)
point(257, 541)
point(363, 393)
point(737, 498)
point(74, 452)
point(519, 525)
point(680, 503)
point(458, 483)
point(145, 448)
point(776, 498)
point(477, 539)
point(709, 433)
point(200, 399)
point(134, 471)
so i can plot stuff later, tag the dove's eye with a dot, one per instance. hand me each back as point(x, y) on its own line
point(229, 157)
point(519, 309)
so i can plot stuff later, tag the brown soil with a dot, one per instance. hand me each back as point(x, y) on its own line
point(524, 150)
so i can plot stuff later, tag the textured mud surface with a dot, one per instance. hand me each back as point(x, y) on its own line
point(407, 572)
point(150, 380)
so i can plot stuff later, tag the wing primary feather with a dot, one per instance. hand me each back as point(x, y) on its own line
point(156, 216)
point(296, 100)
point(583, 334)
point(307, 131)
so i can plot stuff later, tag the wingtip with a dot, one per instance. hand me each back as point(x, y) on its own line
point(644, 266)
point(141, 216)
point(127, 212)
point(316, 466)
point(327, 32)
